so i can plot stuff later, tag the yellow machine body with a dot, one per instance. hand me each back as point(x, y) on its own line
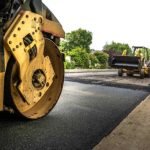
point(2, 90)
point(28, 95)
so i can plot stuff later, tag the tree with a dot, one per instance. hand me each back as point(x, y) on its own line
point(116, 48)
point(79, 57)
point(101, 56)
point(78, 38)
point(93, 60)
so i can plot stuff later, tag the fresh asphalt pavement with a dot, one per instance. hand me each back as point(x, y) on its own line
point(84, 114)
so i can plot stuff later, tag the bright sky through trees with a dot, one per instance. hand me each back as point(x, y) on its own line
point(125, 21)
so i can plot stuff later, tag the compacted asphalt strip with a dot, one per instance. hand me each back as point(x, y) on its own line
point(84, 114)
point(108, 78)
point(133, 133)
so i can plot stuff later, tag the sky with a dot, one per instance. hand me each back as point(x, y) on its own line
point(124, 21)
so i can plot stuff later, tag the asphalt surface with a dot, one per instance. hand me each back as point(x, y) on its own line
point(83, 116)
point(109, 78)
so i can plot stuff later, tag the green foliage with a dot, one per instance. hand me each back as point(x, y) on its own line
point(93, 60)
point(148, 53)
point(103, 66)
point(69, 65)
point(102, 57)
point(78, 38)
point(77, 45)
point(116, 48)
point(98, 60)
point(80, 57)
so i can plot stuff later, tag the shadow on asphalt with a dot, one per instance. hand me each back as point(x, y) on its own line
point(8, 117)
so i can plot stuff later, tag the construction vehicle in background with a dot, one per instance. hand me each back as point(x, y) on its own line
point(139, 63)
point(31, 66)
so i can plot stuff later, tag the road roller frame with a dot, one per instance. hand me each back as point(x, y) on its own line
point(29, 39)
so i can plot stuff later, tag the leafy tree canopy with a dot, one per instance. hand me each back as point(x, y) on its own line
point(93, 60)
point(116, 48)
point(101, 56)
point(80, 57)
point(78, 38)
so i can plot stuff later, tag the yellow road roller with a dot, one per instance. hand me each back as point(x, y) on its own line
point(31, 65)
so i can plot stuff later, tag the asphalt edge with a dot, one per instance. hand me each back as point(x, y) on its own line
point(132, 133)
point(88, 70)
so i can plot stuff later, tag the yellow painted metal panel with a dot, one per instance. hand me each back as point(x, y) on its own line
point(1, 90)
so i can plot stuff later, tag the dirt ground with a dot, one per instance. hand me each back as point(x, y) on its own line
point(133, 133)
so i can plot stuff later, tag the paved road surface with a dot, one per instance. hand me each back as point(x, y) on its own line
point(110, 78)
point(83, 116)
